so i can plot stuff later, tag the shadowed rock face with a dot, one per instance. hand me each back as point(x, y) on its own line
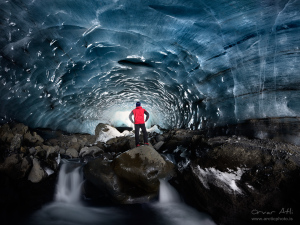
point(70, 64)
point(234, 178)
point(132, 177)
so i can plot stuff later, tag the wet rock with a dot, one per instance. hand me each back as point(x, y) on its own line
point(72, 152)
point(100, 173)
point(119, 144)
point(234, 176)
point(16, 142)
point(132, 177)
point(37, 173)
point(143, 167)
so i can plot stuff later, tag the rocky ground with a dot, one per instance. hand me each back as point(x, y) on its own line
point(234, 179)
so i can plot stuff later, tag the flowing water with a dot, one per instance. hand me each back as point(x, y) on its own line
point(69, 208)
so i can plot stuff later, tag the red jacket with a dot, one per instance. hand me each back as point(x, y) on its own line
point(138, 113)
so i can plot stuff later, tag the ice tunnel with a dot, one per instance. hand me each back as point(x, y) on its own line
point(70, 64)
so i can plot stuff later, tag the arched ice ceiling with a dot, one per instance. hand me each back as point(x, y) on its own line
point(70, 64)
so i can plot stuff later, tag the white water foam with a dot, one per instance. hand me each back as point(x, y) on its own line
point(68, 188)
point(167, 193)
point(172, 211)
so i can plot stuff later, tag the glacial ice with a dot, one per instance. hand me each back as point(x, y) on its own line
point(71, 64)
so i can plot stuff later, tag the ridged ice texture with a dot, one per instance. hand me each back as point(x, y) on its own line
point(69, 64)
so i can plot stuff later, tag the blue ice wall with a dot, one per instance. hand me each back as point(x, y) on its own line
point(70, 64)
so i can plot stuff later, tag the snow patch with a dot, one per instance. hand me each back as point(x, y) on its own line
point(48, 171)
point(154, 129)
point(112, 132)
point(225, 180)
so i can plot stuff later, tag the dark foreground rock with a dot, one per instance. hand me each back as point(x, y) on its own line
point(21, 197)
point(237, 180)
point(132, 177)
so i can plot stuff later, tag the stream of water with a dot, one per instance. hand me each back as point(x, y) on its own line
point(69, 208)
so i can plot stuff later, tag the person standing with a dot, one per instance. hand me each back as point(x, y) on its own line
point(139, 123)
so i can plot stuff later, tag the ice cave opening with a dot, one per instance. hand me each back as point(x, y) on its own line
point(231, 66)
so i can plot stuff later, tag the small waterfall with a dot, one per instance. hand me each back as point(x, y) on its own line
point(67, 209)
point(68, 188)
point(167, 193)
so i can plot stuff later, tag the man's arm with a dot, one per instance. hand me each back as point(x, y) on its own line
point(130, 117)
point(147, 115)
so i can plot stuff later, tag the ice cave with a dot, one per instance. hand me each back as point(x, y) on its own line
point(222, 67)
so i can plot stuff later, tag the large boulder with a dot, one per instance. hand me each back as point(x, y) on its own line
point(132, 177)
point(234, 178)
point(101, 174)
point(143, 167)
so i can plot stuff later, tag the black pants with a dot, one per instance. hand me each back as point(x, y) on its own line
point(137, 133)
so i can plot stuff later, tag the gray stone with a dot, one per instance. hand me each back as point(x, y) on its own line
point(35, 138)
point(72, 152)
point(89, 151)
point(37, 173)
point(32, 151)
point(19, 128)
point(75, 145)
point(16, 142)
point(62, 151)
point(100, 173)
point(142, 166)
point(52, 149)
